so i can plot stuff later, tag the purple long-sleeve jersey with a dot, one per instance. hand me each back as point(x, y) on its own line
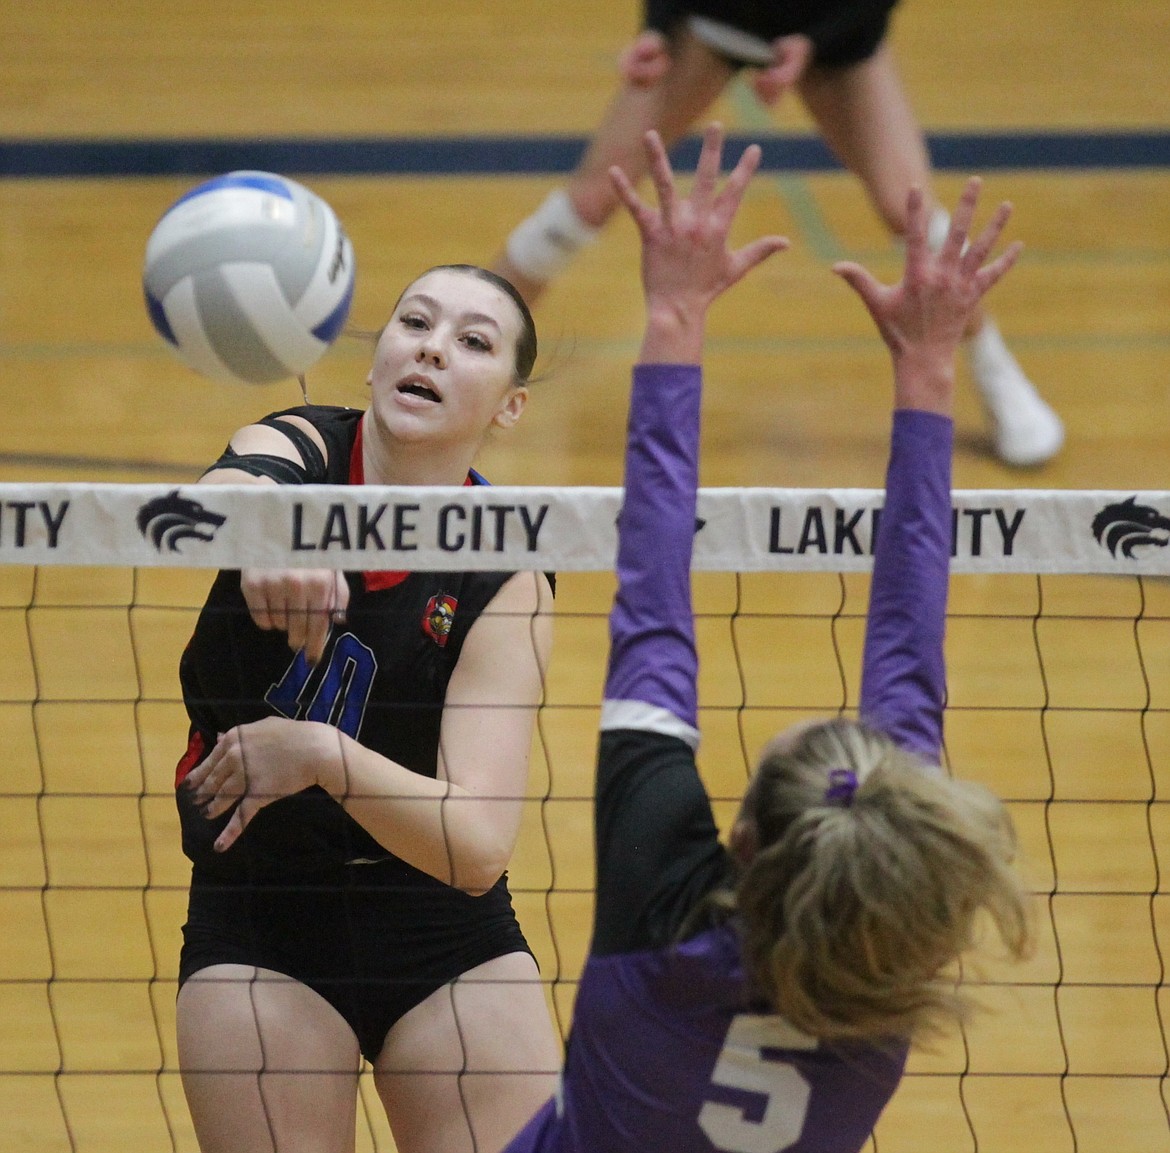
point(667, 1051)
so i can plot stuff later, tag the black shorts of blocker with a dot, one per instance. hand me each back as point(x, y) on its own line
point(374, 940)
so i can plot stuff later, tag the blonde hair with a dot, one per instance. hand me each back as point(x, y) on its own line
point(853, 905)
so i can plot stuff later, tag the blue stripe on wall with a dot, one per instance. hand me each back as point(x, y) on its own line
point(539, 155)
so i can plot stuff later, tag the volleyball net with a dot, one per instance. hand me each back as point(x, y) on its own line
point(1058, 698)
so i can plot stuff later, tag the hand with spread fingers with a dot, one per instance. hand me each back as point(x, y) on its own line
point(922, 318)
point(686, 261)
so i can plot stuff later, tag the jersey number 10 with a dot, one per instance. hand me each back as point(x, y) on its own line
point(343, 687)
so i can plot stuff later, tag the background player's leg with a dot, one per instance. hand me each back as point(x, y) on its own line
point(268, 1066)
point(540, 246)
point(690, 86)
point(866, 118)
point(479, 1055)
point(864, 115)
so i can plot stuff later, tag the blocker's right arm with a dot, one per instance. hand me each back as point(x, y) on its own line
point(657, 845)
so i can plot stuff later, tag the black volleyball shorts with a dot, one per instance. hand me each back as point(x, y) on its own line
point(374, 940)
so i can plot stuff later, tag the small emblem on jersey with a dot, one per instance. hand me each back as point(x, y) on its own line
point(169, 520)
point(439, 617)
point(1127, 525)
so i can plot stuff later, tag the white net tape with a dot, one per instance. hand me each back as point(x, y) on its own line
point(567, 529)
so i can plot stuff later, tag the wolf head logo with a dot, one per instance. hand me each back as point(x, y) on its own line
point(169, 520)
point(1127, 525)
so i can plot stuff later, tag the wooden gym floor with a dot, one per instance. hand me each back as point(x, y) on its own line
point(1074, 1056)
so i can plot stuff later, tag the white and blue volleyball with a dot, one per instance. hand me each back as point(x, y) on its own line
point(249, 277)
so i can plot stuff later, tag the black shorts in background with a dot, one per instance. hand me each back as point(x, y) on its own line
point(843, 32)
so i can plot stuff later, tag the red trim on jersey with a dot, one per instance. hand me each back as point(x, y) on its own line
point(374, 581)
point(194, 754)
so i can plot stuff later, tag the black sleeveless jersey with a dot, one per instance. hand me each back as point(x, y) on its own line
point(382, 679)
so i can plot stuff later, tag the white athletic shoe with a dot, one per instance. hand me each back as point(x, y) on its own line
point(1025, 431)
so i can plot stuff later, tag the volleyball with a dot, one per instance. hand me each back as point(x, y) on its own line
point(249, 277)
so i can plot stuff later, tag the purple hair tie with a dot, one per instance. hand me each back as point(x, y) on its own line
point(842, 786)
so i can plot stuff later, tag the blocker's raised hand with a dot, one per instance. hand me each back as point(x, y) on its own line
point(922, 318)
point(686, 262)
